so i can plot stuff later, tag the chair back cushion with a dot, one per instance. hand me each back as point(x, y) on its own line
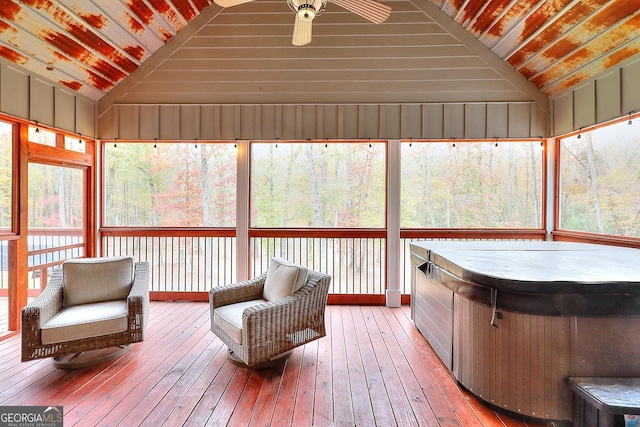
point(283, 279)
point(91, 280)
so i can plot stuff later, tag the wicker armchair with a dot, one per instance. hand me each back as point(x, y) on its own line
point(91, 311)
point(263, 319)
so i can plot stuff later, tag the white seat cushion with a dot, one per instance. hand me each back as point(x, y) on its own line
point(283, 279)
point(89, 280)
point(86, 321)
point(229, 318)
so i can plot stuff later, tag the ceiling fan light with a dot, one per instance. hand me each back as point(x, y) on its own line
point(306, 12)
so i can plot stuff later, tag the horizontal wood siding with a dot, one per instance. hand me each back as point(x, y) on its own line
point(417, 75)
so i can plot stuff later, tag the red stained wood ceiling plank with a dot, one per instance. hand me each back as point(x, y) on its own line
point(96, 44)
point(145, 14)
point(613, 13)
point(517, 11)
point(617, 57)
point(60, 56)
point(135, 51)
point(141, 10)
point(84, 35)
point(161, 6)
point(562, 24)
point(201, 4)
point(471, 11)
point(5, 27)
point(491, 12)
point(96, 21)
point(586, 32)
point(13, 56)
point(587, 72)
point(64, 43)
point(71, 85)
point(573, 80)
point(617, 36)
point(9, 9)
point(166, 35)
point(100, 82)
point(560, 69)
point(165, 9)
point(134, 25)
point(185, 9)
point(546, 12)
point(74, 49)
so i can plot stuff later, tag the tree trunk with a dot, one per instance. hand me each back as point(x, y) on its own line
point(510, 180)
point(62, 198)
point(534, 177)
point(593, 175)
point(427, 189)
point(206, 191)
point(206, 212)
point(314, 188)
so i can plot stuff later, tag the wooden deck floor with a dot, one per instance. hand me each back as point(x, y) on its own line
point(373, 369)
point(4, 315)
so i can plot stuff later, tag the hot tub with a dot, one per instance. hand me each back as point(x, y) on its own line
point(513, 320)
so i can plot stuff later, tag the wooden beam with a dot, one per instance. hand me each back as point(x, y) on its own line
point(18, 273)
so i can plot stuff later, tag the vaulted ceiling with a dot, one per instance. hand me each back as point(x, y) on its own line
point(557, 43)
point(91, 46)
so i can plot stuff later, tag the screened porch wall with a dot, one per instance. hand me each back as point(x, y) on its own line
point(322, 121)
point(33, 98)
point(612, 94)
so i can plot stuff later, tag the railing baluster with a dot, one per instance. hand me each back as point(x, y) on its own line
point(198, 263)
point(166, 272)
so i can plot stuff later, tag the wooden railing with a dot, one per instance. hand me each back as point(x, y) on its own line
point(47, 247)
point(181, 260)
point(195, 260)
point(355, 259)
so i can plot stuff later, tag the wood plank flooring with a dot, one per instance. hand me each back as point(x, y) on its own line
point(373, 369)
point(4, 315)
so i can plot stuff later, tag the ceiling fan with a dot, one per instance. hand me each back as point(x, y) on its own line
point(307, 10)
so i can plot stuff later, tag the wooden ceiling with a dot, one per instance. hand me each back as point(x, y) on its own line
point(556, 43)
point(91, 46)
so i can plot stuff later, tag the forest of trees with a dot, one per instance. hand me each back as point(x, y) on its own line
point(333, 185)
point(600, 181)
point(311, 184)
point(55, 196)
point(170, 185)
point(318, 185)
point(315, 184)
point(472, 185)
point(6, 164)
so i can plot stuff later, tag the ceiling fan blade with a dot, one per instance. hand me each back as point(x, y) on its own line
point(301, 32)
point(229, 3)
point(370, 10)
